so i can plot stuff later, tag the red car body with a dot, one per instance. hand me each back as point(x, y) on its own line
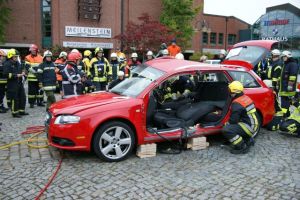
point(98, 109)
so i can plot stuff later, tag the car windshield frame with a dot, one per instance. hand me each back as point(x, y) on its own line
point(250, 54)
point(141, 77)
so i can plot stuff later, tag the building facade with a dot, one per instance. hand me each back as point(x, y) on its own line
point(86, 24)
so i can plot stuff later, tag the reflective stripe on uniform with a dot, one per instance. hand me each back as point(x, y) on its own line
point(292, 78)
point(49, 88)
point(246, 128)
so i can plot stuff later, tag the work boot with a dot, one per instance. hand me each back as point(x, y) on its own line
point(250, 142)
point(16, 116)
point(242, 149)
point(31, 105)
point(41, 104)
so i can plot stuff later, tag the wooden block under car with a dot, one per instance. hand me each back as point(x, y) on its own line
point(197, 143)
point(146, 150)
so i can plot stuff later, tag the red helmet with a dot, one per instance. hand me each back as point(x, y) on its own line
point(33, 47)
point(74, 56)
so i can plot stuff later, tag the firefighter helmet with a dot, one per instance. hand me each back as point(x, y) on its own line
point(63, 54)
point(74, 56)
point(98, 49)
point(223, 51)
point(87, 53)
point(33, 47)
point(165, 52)
point(275, 52)
point(11, 53)
point(47, 54)
point(113, 55)
point(120, 73)
point(236, 87)
point(149, 53)
point(179, 56)
point(2, 53)
point(287, 54)
point(74, 50)
point(134, 55)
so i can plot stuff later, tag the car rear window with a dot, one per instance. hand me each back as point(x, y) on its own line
point(244, 77)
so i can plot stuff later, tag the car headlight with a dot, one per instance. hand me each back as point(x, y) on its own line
point(67, 119)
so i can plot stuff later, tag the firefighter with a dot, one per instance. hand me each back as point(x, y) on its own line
point(261, 68)
point(47, 77)
point(165, 53)
point(222, 55)
point(117, 81)
point(123, 63)
point(3, 82)
point(87, 62)
point(179, 56)
point(71, 83)
point(163, 46)
point(115, 66)
point(100, 69)
point(35, 93)
point(288, 80)
point(149, 55)
point(15, 89)
point(59, 66)
point(133, 63)
point(274, 70)
point(119, 53)
point(243, 122)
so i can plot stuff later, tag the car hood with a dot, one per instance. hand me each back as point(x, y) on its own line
point(83, 102)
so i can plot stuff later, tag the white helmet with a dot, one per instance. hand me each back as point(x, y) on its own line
point(179, 56)
point(165, 52)
point(223, 51)
point(113, 55)
point(134, 55)
point(287, 54)
point(74, 51)
point(120, 73)
point(149, 53)
point(63, 54)
point(275, 52)
point(47, 54)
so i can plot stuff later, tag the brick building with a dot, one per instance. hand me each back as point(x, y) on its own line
point(89, 23)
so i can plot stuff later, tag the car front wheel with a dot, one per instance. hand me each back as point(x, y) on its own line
point(114, 141)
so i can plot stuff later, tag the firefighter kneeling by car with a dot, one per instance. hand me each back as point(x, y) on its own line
point(243, 123)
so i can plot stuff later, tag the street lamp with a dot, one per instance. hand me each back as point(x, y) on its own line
point(204, 28)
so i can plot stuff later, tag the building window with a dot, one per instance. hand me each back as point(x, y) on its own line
point(204, 37)
point(231, 39)
point(46, 23)
point(221, 38)
point(89, 9)
point(213, 38)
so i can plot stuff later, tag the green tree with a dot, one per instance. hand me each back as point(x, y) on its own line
point(178, 16)
point(4, 18)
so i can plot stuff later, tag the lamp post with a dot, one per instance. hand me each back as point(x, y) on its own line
point(203, 28)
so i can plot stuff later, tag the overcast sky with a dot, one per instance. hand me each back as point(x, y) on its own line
point(247, 10)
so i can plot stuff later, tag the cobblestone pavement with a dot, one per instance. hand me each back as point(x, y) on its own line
point(271, 170)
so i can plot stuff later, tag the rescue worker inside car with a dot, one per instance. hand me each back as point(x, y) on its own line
point(100, 69)
point(32, 61)
point(243, 122)
point(15, 89)
point(47, 77)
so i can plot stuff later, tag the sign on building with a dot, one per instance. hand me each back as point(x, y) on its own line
point(78, 31)
point(87, 45)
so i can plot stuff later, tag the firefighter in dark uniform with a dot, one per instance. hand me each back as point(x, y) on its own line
point(261, 68)
point(115, 66)
point(133, 63)
point(123, 63)
point(288, 81)
point(3, 82)
point(274, 70)
point(15, 88)
point(117, 81)
point(100, 69)
point(243, 123)
point(47, 77)
point(35, 93)
point(72, 85)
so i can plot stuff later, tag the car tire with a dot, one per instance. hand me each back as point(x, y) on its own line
point(114, 141)
point(259, 119)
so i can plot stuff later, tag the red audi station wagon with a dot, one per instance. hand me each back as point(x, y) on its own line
point(112, 123)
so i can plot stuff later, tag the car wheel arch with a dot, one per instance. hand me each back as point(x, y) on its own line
point(126, 121)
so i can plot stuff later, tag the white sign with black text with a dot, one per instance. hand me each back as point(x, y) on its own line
point(87, 45)
point(78, 31)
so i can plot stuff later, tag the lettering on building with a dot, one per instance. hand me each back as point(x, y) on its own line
point(87, 45)
point(276, 22)
point(89, 10)
point(280, 39)
point(78, 31)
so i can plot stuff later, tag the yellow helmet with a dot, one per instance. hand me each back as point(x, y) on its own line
point(11, 53)
point(236, 87)
point(87, 53)
point(98, 49)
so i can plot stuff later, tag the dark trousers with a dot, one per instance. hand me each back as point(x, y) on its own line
point(235, 134)
point(35, 93)
point(285, 105)
point(290, 126)
point(2, 94)
point(18, 99)
point(100, 85)
point(50, 98)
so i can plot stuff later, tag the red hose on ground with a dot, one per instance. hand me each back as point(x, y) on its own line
point(50, 181)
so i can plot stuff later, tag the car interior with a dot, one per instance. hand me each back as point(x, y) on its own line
point(206, 103)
